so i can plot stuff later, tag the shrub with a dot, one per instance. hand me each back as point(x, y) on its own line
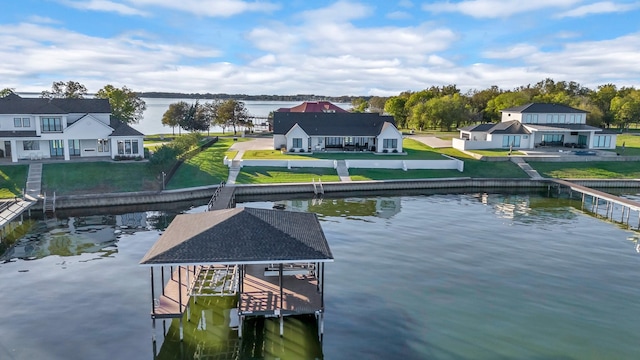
point(385, 151)
point(373, 148)
point(301, 150)
point(163, 157)
point(395, 150)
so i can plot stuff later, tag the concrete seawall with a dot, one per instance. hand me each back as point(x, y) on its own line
point(205, 192)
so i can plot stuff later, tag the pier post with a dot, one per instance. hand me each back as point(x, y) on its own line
point(181, 331)
point(281, 325)
point(582, 206)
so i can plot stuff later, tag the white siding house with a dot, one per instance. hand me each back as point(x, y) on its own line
point(36, 128)
point(536, 125)
point(308, 132)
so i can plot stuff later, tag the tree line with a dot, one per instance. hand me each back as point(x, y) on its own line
point(199, 117)
point(446, 108)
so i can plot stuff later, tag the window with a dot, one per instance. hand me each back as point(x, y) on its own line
point(297, 143)
point(527, 119)
point(602, 141)
point(56, 148)
point(511, 140)
point(74, 147)
point(549, 138)
point(51, 124)
point(572, 119)
point(389, 143)
point(21, 122)
point(31, 145)
point(549, 117)
point(103, 145)
point(562, 119)
point(127, 147)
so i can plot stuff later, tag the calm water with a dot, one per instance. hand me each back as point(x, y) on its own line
point(477, 276)
point(156, 107)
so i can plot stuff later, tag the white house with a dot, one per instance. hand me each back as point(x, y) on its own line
point(536, 125)
point(36, 128)
point(318, 131)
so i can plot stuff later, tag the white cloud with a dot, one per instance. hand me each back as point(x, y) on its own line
point(104, 5)
point(341, 11)
point(496, 8)
point(42, 20)
point(602, 7)
point(405, 4)
point(399, 15)
point(513, 52)
point(209, 8)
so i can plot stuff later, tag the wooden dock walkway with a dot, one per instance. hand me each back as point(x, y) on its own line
point(223, 198)
point(627, 205)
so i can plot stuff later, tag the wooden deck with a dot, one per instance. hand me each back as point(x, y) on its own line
point(261, 294)
point(174, 300)
point(633, 205)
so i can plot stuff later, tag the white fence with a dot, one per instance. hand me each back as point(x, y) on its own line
point(449, 164)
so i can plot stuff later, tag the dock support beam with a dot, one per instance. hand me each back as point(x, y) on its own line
point(181, 330)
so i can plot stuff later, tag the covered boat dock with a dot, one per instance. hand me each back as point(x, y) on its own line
point(271, 260)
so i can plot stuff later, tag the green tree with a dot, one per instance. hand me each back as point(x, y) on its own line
point(359, 105)
point(126, 106)
point(602, 98)
point(174, 115)
point(65, 90)
point(504, 101)
point(478, 101)
point(395, 106)
point(626, 109)
point(194, 119)
point(447, 111)
point(6, 91)
point(209, 112)
point(232, 113)
point(376, 104)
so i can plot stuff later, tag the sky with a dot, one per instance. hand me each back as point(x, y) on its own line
point(333, 48)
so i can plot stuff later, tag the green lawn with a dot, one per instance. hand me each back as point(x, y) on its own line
point(98, 177)
point(266, 175)
point(398, 174)
point(205, 168)
point(13, 179)
point(496, 152)
point(631, 144)
point(588, 170)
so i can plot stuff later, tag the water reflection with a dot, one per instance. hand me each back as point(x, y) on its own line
point(382, 207)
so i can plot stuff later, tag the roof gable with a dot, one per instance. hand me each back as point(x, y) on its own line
point(315, 106)
point(89, 125)
point(122, 129)
point(240, 235)
point(509, 127)
point(331, 124)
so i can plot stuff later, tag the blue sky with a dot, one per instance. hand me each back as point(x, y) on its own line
point(317, 47)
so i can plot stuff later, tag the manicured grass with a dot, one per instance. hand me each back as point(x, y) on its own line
point(496, 152)
point(98, 177)
point(631, 144)
point(493, 169)
point(13, 179)
point(588, 170)
point(266, 175)
point(205, 168)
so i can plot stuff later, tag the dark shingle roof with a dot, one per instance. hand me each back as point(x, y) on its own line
point(572, 127)
point(122, 129)
point(241, 235)
point(331, 124)
point(314, 106)
point(14, 104)
point(509, 127)
point(478, 127)
point(543, 108)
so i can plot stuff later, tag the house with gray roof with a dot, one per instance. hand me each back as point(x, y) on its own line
point(37, 128)
point(536, 125)
point(323, 131)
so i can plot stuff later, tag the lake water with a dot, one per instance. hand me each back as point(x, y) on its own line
point(458, 276)
point(156, 107)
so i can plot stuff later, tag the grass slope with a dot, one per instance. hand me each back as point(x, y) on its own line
point(266, 175)
point(205, 168)
point(13, 179)
point(588, 170)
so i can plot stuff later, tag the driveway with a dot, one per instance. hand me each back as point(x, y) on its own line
point(251, 144)
point(432, 141)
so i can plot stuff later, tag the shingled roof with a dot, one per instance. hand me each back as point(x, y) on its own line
point(241, 236)
point(541, 108)
point(314, 106)
point(122, 129)
point(332, 124)
point(14, 104)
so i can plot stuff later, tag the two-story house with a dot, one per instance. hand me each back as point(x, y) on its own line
point(536, 125)
point(37, 128)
